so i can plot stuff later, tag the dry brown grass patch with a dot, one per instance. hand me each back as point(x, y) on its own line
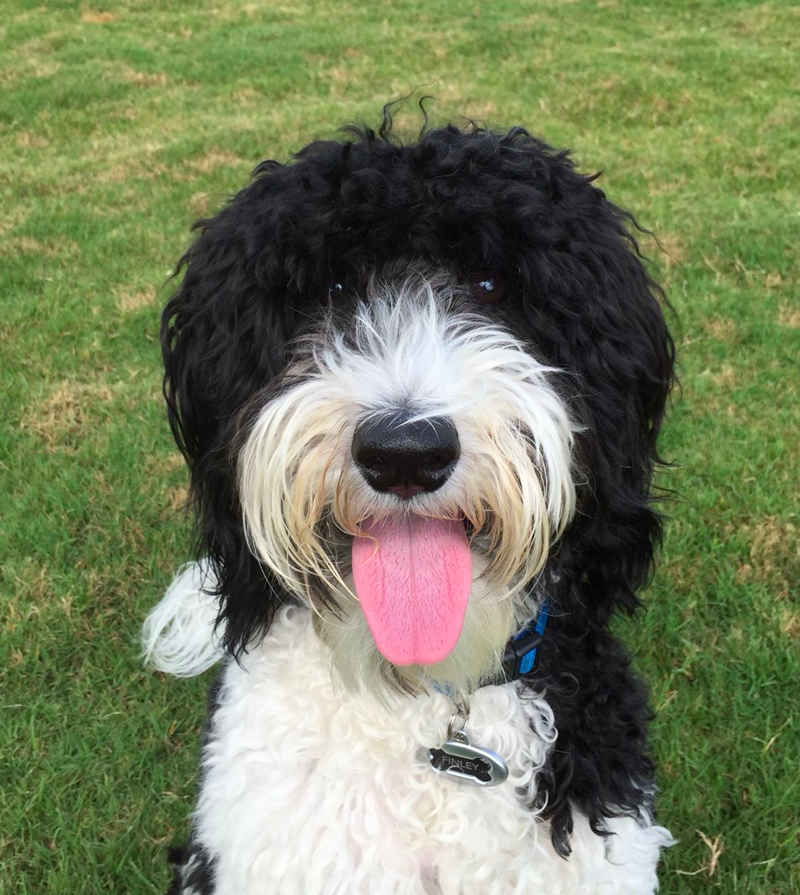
point(60, 247)
point(774, 555)
point(789, 316)
point(790, 623)
point(672, 249)
point(38, 68)
point(132, 535)
point(24, 244)
point(727, 376)
point(172, 462)
point(145, 79)
point(177, 498)
point(136, 300)
point(480, 111)
point(715, 849)
point(94, 17)
point(13, 217)
point(686, 574)
point(199, 204)
point(722, 328)
point(66, 412)
point(246, 95)
point(29, 140)
point(215, 159)
point(31, 591)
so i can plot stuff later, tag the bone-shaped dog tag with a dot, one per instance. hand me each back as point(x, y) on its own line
point(466, 763)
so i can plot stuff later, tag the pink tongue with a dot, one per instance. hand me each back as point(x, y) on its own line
point(414, 586)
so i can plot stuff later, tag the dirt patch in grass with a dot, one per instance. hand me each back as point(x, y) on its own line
point(246, 95)
point(789, 316)
point(31, 593)
point(42, 69)
point(139, 169)
point(671, 249)
point(686, 575)
point(726, 377)
point(23, 245)
point(60, 247)
point(29, 140)
point(790, 624)
point(13, 217)
point(177, 498)
point(28, 587)
point(199, 204)
point(93, 17)
point(215, 159)
point(722, 328)
point(135, 300)
point(67, 412)
point(145, 79)
point(774, 556)
point(164, 465)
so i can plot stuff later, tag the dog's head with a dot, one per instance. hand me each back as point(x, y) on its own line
point(415, 385)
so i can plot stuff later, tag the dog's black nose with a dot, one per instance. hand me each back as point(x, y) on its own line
point(406, 457)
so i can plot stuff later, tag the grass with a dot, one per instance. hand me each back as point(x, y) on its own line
point(120, 123)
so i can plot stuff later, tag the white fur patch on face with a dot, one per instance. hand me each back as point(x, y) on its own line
point(420, 346)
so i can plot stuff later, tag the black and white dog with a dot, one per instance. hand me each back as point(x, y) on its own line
point(418, 388)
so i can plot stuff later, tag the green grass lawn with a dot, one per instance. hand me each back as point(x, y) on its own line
point(121, 123)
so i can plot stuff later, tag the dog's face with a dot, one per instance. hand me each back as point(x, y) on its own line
point(414, 384)
point(407, 473)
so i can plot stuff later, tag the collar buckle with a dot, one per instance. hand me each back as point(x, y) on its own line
point(522, 650)
point(520, 654)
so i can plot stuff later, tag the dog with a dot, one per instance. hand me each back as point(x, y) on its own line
point(418, 387)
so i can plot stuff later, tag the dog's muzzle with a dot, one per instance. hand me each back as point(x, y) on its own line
point(397, 453)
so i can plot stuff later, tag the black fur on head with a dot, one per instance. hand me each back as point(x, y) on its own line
point(466, 200)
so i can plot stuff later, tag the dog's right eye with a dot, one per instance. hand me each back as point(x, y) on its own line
point(335, 289)
point(488, 286)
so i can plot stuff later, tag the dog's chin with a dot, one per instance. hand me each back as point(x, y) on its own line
point(357, 664)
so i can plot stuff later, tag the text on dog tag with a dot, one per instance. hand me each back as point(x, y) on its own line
point(468, 764)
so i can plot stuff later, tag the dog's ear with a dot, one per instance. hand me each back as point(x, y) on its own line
point(598, 315)
point(591, 300)
point(224, 335)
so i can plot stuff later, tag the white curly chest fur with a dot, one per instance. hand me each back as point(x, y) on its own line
point(307, 791)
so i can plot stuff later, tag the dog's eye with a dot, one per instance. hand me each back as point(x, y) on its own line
point(336, 289)
point(488, 286)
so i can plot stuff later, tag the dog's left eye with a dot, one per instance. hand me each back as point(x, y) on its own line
point(488, 286)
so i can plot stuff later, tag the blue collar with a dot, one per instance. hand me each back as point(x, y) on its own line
point(519, 657)
point(520, 653)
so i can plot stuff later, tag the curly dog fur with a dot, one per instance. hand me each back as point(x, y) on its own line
point(293, 260)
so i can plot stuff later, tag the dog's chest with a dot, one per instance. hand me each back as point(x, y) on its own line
point(307, 792)
point(302, 781)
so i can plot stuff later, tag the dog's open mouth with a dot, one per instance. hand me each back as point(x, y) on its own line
point(412, 577)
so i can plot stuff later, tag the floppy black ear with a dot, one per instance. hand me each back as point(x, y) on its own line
point(592, 301)
point(223, 336)
point(597, 313)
